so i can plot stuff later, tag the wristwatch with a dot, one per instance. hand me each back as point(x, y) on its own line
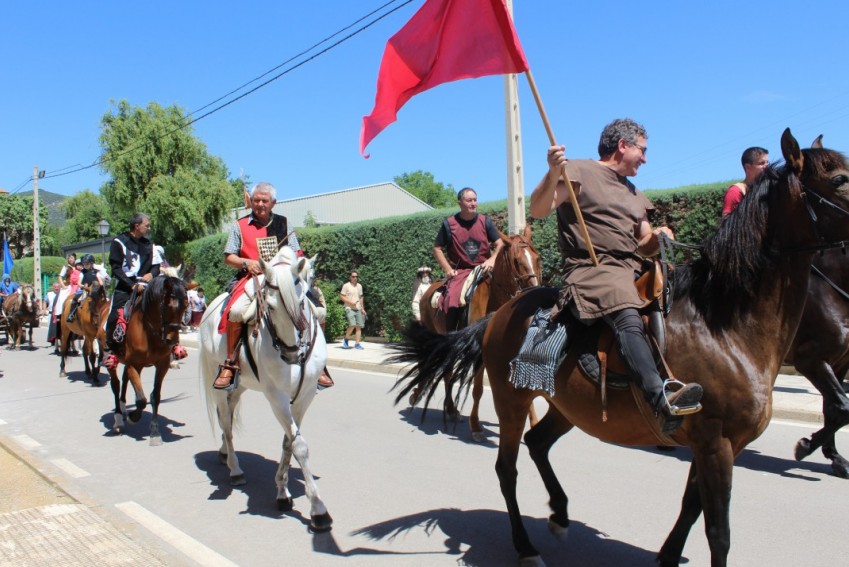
point(244, 264)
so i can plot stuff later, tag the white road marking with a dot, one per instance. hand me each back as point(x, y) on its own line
point(26, 441)
point(183, 542)
point(70, 468)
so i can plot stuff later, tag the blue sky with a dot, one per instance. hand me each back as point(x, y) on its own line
point(706, 79)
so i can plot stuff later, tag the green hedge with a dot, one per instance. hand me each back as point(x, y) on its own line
point(386, 252)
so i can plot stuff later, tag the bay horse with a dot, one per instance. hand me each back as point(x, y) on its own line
point(517, 266)
point(86, 324)
point(153, 329)
point(734, 316)
point(21, 310)
point(282, 359)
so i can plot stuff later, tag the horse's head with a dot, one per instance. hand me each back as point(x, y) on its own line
point(284, 291)
point(167, 296)
point(27, 297)
point(821, 178)
point(521, 261)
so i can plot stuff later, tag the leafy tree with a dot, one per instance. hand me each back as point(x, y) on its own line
point(422, 185)
point(309, 220)
point(16, 223)
point(157, 166)
point(83, 212)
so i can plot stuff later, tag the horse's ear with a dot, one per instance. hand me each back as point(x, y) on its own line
point(299, 267)
point(817, 143)
point(791, 151)
point(527, 233)
point(504, 238)
point(266, 269)
point(313, 260)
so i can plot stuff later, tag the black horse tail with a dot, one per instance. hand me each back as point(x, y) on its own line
point(456, 356)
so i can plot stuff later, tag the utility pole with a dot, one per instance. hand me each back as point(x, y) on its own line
point(36, 235)
point(515, 172)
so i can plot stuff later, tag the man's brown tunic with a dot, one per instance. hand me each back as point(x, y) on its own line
point(612, 208)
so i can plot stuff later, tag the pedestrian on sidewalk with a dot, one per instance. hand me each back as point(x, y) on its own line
point(355, 310)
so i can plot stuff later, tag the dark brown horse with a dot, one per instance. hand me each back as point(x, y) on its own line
point(21, 310)
point(86, 324)
point(735, 313)
point(152, 331)
point(517, 267)
point(820, 351)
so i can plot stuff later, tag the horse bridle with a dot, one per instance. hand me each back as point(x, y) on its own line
point(305, 342)
point(519, 280)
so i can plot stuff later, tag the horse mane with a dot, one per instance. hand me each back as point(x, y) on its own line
point(281, 265)
point(724, 280)
point(155, 292)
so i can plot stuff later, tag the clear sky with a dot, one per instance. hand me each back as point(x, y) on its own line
point(707, 79)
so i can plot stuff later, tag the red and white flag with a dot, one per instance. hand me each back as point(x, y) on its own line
point(446, 40)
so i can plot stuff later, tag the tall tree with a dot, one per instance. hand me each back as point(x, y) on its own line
point(157, 166)
point(16, 223)
point(422, 185)
point(83, 212)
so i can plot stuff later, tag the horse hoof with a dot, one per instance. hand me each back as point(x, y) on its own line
point(63, 374)
point(155, 441)
point(117, 430)
point(285, 504)
point(803, 449)
point(414, 399)
point(321, 523)
point(222, 458)
point(534, 561)
point(478, 436)
point(840, 470)
point(238, 480)
point(558, 531)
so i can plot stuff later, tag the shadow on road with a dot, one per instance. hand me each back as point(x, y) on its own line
point(482, 538)
point(434, 422)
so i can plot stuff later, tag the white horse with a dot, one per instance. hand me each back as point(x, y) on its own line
point(289, 352)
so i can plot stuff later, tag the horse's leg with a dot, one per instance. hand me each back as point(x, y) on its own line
point(63, 352)
point(284, 497)
point(539, 440)
point(118, 419)
point(225, 408)
point(691, 509)
point(835, 411)
point(134, 375)
point(320, 520)
point(474, 417)
point(155, 398)
point(708, 490)
point(86, 348)
point(511, 419)
point(450, 410)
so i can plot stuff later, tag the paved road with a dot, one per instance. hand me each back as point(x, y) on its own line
point(402, 492)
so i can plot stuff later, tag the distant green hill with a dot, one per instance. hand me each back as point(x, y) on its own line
point(51, 201)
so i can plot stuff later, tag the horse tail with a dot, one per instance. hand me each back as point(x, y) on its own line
point(457, 356)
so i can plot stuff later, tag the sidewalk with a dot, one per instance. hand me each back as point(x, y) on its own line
point(793, 397)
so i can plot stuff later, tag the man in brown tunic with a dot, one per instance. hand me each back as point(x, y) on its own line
point(616, 216)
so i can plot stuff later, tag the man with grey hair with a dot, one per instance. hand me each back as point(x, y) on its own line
point(251, 238)
point(616, 217)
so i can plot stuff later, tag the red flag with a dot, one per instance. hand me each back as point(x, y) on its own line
point(446, 40)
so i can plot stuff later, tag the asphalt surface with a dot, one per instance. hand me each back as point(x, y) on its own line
point(42, 524)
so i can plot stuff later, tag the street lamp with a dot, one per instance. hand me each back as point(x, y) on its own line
point(103, 230)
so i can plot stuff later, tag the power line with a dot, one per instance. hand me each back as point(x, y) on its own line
point(135, 147)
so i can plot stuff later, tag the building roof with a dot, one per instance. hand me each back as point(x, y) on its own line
point(349, 205)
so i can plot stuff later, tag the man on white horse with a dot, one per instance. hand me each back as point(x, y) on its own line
point(252, 237)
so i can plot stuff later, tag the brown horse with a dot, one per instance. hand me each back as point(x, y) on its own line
point(86, 324)
point(21, 310)
point(152, 330)
point(820, 351)
point(733, 319)
point(517, 267)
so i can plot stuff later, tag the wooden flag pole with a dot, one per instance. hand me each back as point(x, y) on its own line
point(572, 197)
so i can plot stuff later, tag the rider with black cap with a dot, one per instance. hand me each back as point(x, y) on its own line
point(88, 275)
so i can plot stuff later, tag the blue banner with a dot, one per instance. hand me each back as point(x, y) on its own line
point(8, 262)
